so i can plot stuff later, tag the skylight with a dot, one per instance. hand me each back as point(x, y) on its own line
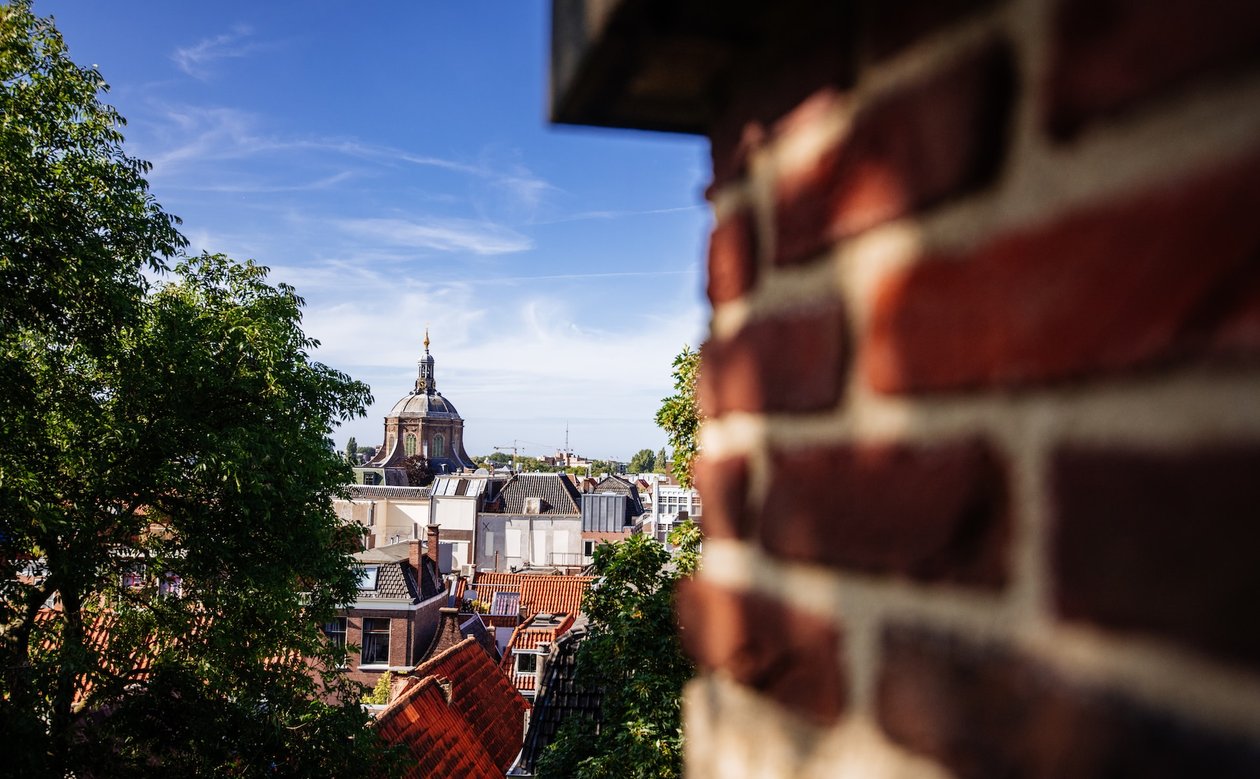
point(367, 580)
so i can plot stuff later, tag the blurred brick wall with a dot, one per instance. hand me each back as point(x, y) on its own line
point(982, 477)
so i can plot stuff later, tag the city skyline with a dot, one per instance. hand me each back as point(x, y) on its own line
point(396, 167)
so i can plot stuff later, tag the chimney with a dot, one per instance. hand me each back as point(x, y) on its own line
point(432, 551)
point(414, 553)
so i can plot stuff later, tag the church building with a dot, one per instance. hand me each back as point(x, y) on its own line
point(422, 422)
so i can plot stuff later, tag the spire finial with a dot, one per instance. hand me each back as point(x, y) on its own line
point(426, 339)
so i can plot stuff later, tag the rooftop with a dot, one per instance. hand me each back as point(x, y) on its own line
point(462, 718)
point(539, 592)
point(558, 494)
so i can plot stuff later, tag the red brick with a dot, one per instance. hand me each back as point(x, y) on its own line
point(1101, 289)
point(785, 654)
point(890, 25)
point(732, 258)
point(1109, 55)
point(928, 512)
point(1166, 543)
point(938, 138)
point(987, 711)
point(723, 486)
point(1235, 330)
point(793, 363)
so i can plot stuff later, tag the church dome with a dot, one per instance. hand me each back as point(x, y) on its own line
point(423, 423)
point(424, 404)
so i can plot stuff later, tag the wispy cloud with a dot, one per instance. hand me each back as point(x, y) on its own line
point(196, 59)
point(600, 215)
point(440, 234)
point(253, 188)
point(492, 352)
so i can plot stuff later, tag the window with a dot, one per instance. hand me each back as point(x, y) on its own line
point(375, 641)
point(367, 579)
point(171, 584)
point(409, 444)
point(588, 548)
point(336, 632)
point(439, 445)
point(133, 576)
point(526, 663)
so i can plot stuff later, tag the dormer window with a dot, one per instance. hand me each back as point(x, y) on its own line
point(367, 578)
point(526, 663)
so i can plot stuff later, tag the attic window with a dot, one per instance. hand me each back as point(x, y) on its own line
point(533, 505)
point(526, 663)
point(367, 579)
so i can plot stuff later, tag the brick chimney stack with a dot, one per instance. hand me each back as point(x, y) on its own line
point(414, 553)
point(432, 550)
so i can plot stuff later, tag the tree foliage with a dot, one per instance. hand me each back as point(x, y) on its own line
point(419, 472)
point(165, 477)
point(643, 461)
point(379, 696)
point(352, 451)
point(632, 656)
point(679, 415)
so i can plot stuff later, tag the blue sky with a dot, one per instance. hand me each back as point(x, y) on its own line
point(393, 162)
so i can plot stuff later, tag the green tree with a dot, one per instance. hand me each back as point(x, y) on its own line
point(661, 459)
point(352, 451)
point(679, 415)
point(632, 656)
point(379, 696)
point(419, 473)
point(165, 477)
point(644, 461)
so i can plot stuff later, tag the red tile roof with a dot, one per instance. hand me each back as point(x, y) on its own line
point(525, 681)
point(539, 592)
point(478, 729)
point(528, 636)
point(439, 740)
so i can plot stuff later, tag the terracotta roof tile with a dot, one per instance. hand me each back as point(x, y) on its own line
point(539, 592)
point(482, 723)
point(524, 681)
point(440, 741)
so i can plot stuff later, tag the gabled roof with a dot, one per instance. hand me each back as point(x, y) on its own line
point(395, 578)
point(531, 636)
point(462, 719)
point(558, 494)
point(539, 592)
point(439, 740)
point(614, 483)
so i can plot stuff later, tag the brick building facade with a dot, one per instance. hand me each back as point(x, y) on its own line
point(985, 279)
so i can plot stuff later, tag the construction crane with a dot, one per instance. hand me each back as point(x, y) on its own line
point(513, 448)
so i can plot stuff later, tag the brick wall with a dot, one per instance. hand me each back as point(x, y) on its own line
point(982, 477)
